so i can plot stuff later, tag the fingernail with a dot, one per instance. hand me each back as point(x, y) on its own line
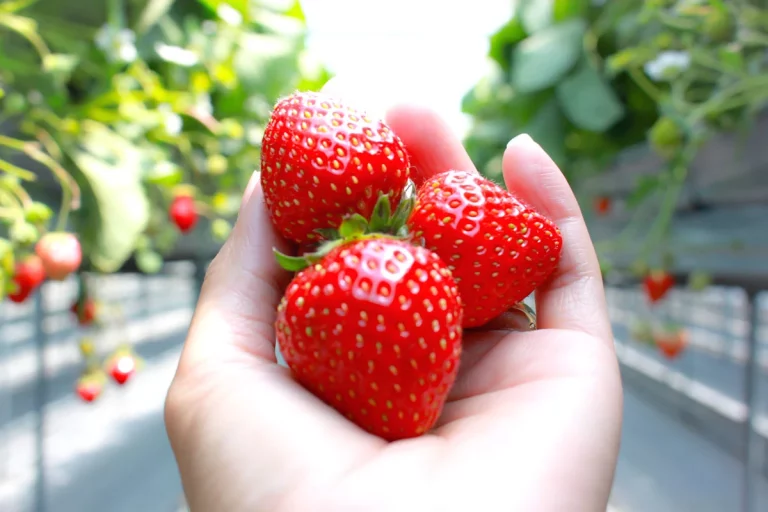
point(521, 140)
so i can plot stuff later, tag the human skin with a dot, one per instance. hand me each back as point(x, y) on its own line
point(532, 424)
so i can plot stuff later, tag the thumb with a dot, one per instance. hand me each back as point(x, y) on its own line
point(235, 312)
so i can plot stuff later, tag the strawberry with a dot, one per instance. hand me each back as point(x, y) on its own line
point(122, 367)
point(671, 343)
point(90, 385)
point(89, 389)
point(498, 249)
point(84, 311)
point(602, 205)
point(183, 213)
point(28, 275)
point(374, 329)
point(656, 284)
point(60, 254)
point(322, 160)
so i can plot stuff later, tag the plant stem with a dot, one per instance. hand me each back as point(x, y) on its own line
point(660, 227)
point(70, 191)
point(9, 213)
point(645, 84)
point(17, 171)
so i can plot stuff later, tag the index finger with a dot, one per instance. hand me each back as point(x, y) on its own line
point(574, 297)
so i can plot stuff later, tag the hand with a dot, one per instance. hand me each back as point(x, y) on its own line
point(533, 422)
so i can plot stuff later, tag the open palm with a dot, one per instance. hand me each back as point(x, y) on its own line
point(532, 423)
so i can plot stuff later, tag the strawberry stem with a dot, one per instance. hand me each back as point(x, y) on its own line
point(383, 224)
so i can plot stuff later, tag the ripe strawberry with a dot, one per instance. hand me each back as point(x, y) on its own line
point(498, 249)
point(183, 213)
point(322, 160)
point(122, 367)
point(657, 283)
point(89, 389)
point(84, 311)
point(374, 330)
point(29, 274)
point(671, 343)
point(60, 254)
point(602, 205)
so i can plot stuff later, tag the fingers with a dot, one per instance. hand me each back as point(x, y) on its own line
point(236, 308)
point(574, 297)
point(432, 145)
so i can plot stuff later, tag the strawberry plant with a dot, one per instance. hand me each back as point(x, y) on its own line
point(131, 124)
point(599, 84)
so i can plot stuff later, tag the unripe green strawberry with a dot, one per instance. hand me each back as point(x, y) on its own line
point(666, 137)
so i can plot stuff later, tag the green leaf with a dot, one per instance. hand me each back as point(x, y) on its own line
point(164, 173)
point(151, 14)
point(7, 261)
point(588, 101)
point(402, 213)
point(353, 226)
point(732, 58)
point(645, 186)
point(117, 207)
point(536, 15)
point(502, 41)
point(328, 233)
point(545, 57)
point(381, 213)
point(567, 9)
point(16, 5)
point(547, 128)
point(291, 263)
point(60, 66)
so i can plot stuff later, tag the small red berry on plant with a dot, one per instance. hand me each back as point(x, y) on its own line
point(183, 213)
point(28, 275)
point(60, 254)
point(656, 284)
point(122, 367)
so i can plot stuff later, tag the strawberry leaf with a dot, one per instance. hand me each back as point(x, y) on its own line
point(291, 263)
point(401, 215)
point(354, 226)
point(328, 233)
point(381, 214)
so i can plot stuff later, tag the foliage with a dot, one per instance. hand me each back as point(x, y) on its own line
point(172, 98)
point(590, 80)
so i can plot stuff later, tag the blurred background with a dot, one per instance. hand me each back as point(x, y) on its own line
point(135, 125)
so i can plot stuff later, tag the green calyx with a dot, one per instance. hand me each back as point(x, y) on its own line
point(384, 223)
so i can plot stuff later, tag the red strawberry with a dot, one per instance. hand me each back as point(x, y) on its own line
point(29, 274)
point(498, 249)
point(322, 160)
point(374, 330)
point(60, 254)
point(672, 343)
point(122, 367)
point(183, 213)
point(657, 284)
point(84, 311)
point(89, 389)
point(603, 205)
